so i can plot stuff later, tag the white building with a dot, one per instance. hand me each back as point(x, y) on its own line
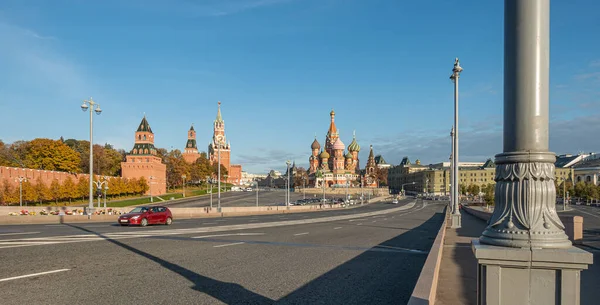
point(248, 178)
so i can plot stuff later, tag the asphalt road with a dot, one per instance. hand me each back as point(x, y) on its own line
point(590, 279)
point(367, 255)
point(239, 199)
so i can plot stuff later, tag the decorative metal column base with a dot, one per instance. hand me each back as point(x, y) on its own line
point(525, 213)
point(456, 221)
point(507, 276)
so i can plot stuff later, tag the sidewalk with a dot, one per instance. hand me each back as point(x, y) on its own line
point(457, 282)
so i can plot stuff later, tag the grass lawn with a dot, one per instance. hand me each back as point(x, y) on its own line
point(166, 197)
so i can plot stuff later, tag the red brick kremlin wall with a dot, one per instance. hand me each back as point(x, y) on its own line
point(10, 174)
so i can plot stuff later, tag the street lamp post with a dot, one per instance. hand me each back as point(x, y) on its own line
point(105, 190)
point(96, 109)
point(218, 178)
point(257, 192)
point(410, 183)
point(323, 186)
point(303, 187)
point(287, 196)
point(183, 177)
point(456, 218)
point(99, 184)
point(21, 180)
point(362, 192)
point(150, 182)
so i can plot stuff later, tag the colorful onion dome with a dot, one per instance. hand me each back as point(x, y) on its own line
point(349, 155)
point(339, 145)
point(354, 146)
point(324, 154)
point(315, 144)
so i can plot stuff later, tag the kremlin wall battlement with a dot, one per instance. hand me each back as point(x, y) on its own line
point(11, 174)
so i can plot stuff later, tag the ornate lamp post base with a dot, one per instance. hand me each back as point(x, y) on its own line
point(525, 213)
point(456, 221)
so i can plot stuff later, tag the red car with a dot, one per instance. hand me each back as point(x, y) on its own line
point(144, 216)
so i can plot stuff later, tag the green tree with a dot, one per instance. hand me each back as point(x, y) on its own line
point(489, 193)
point(462, 189)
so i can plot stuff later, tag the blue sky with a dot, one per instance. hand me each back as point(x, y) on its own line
point(279, 67)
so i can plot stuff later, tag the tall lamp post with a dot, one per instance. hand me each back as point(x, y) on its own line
point(99, 185)
point(21, 180)
point(456, 218)
point(410, 183)
point(287, 192)
point(218, 178)
point(150, 182)
point(183, 177)
point(256, 179)
point(94, 107)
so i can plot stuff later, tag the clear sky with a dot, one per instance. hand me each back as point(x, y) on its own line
point(279, 67)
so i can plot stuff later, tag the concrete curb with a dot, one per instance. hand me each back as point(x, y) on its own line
point(426, 287)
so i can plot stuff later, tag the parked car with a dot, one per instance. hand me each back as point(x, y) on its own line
point(144, 216)
point(395, 201)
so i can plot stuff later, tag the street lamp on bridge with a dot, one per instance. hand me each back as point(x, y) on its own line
point(456, 218)
point(93, 107)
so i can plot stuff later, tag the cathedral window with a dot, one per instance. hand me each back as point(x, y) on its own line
point(144, 137)
point(139, 137)
point(146, 151)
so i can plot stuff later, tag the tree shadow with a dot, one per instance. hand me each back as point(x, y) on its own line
point(229, 293)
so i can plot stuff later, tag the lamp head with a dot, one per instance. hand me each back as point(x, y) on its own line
point(98, 110)
point(84, 106)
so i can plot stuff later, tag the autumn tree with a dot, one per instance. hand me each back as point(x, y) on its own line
point(42, 193)
point(142, 186)
point(176, 167)
point(48, 154)
point(9, 193)
point(200, 169)
point(300, 178)
point(68, 189)
point(382, 176)
point(83, 187)
point(55, 190)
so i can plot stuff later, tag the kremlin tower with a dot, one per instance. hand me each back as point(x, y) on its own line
point(142, 161)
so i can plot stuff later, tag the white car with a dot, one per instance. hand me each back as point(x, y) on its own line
point(395, 201)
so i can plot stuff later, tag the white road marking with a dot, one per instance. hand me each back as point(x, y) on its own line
point(298, 234)
point(221, 220)
point(385, 219)
point(21, 233)
point(337, 228)
point(95, 226)
point(33, 274)
point(142, 232)
point(209, 223)
point(374, 221)
point(54, 225)
point(233, 234)
point(359, 224)
point(587, 213)
point(227, 245)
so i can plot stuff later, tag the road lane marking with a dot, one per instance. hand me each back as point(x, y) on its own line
point(227, 245)
point(55, 225)
point(20, 233)
point(359, 224)
point(232, 234)
point(587, 213)
point(142, 233)
point(209, 223)
point(337, 228)
point(374, 221)
point(298, 234)
point(33, 274)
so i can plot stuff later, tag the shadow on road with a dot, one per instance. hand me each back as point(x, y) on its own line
point(373, 277)
point(229, 293)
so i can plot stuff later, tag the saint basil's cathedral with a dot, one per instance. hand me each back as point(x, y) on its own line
point(332, 167)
